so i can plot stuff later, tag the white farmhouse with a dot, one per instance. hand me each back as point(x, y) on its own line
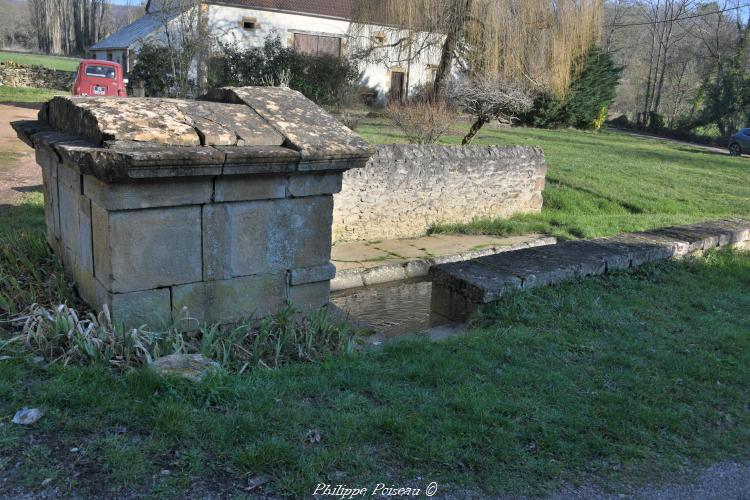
point(309, 26)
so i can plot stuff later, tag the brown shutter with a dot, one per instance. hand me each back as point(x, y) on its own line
point(317, 45)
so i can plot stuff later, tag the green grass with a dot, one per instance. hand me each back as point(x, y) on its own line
point(605, 183)
point(588, 381)
point(545, 395)
point(585, 381)
point(27, 94)
point(52, 62)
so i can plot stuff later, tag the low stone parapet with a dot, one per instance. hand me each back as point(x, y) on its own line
point(405, 189)
point(459, 289)
point(220, 210)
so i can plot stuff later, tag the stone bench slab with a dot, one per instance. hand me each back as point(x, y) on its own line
point(460, 288)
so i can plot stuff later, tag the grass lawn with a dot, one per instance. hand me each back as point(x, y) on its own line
point(585, 380)
point(606, 183)
point(27, 94)
point(52, 62)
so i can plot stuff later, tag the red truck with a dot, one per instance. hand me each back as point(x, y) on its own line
point(99, 78)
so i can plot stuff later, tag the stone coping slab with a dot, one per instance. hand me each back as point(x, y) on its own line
point(460, 288)
point(361, 264)
point(248, 130)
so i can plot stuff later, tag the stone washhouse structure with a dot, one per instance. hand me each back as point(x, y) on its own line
point(221, 207)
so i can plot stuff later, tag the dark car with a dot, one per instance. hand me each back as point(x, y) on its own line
point(740, 142)
point(99, 78)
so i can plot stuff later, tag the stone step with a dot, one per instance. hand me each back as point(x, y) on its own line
point(458, 289)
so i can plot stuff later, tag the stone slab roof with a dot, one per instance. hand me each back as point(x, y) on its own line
point(251, 129)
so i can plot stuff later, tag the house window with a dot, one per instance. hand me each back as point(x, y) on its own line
point(431, 73)
point(109, 55)
point(317, 45)
point(378, 37)
point(250, 23)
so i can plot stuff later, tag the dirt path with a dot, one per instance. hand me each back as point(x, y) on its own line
point(711, 149)
point(19, 172)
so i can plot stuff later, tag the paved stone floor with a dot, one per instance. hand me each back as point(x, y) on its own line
point(363, 264)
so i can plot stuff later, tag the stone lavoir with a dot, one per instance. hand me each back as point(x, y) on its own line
point(222, 206)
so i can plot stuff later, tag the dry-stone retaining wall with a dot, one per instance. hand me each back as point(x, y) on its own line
point(17, 75)
point(406, 189)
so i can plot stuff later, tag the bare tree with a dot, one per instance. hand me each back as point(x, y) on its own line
point(186, 40)
point(16, 30)
point(67, 26)
point(488, 99)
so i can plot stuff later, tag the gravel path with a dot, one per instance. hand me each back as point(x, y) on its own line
point(723, 481)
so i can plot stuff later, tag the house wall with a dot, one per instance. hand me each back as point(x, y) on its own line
point(118, 56)
point(226, 24)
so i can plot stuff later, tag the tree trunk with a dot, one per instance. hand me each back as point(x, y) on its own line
point(474, 130)
point(458, 20)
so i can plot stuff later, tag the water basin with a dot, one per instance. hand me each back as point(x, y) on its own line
point(391, 309)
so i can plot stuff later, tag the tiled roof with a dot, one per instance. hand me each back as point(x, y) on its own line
point(329, 8)
point(132, 33)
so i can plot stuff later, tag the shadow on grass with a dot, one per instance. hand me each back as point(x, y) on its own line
point(621, 378)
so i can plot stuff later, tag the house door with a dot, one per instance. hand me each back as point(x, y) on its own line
point(397, 86)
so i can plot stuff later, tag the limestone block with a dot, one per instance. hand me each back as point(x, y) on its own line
point(100, 237)
point(148, 193)
point(149, 308)
point(326, 272)
point(247, 188)
point(310, 296)
point(315, 184)
point(85, 255)
point(261, 237)
point(145, 249)
point(221, 124)
point(70, 177)
point(69, 261)
point(69, 213)
point(451, 304)
point(312, 131)
point(51, 204)
point(45, 157)
point(231, 300)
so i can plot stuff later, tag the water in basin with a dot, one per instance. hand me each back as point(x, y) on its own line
point(391, 309)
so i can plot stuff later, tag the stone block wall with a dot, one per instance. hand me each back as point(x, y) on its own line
point(17, 75)
point(406, 189)
point(150, 248)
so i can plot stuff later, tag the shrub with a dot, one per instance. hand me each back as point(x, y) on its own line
point(422, 121)
point(154, 69)
point(350, 120)
point(621, 121)
point(488, 99)
point(323, 79)
point(600, 119)
point(591, 92)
